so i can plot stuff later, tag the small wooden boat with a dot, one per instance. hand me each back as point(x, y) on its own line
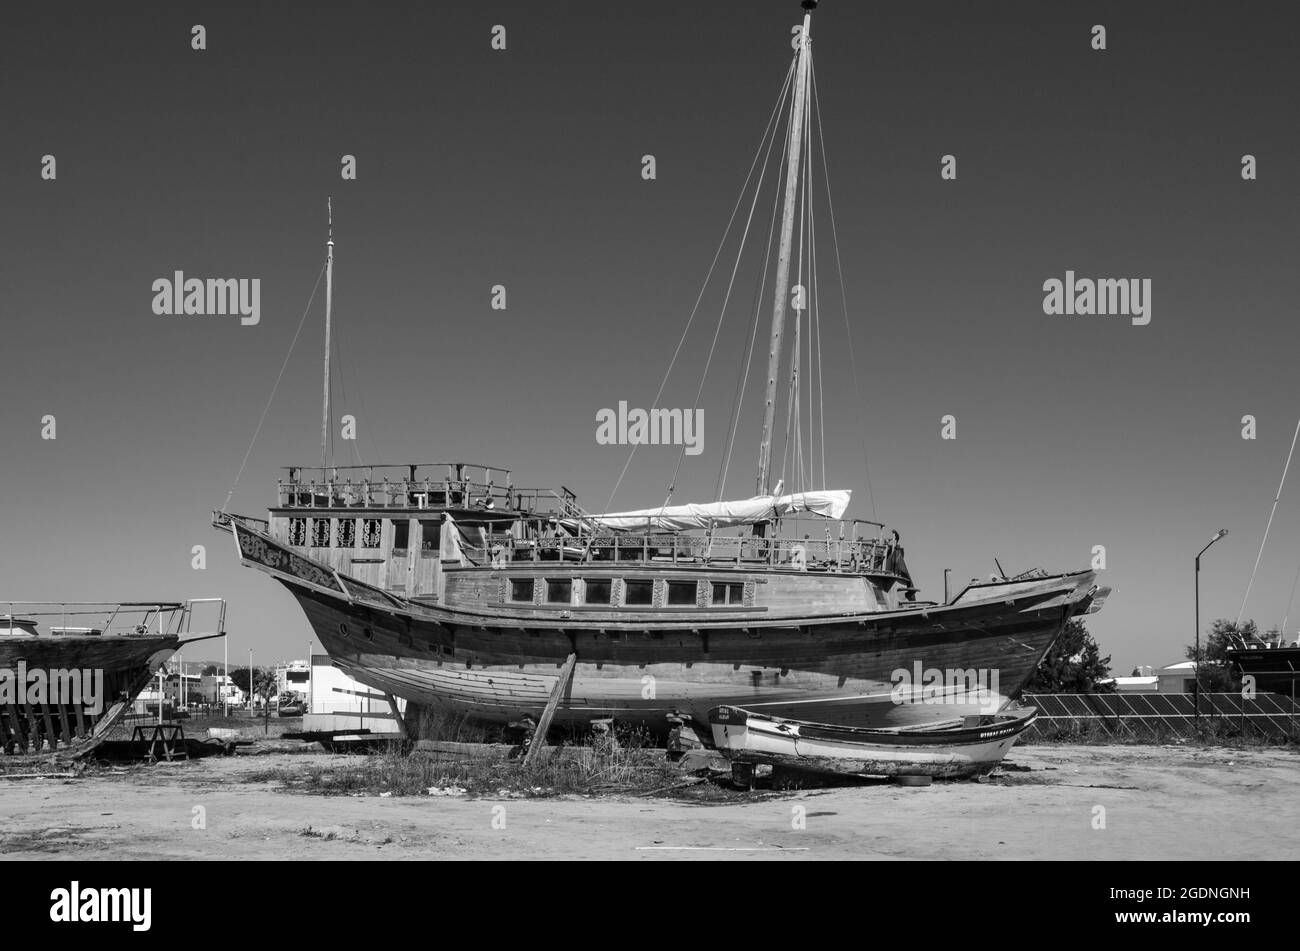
point(966, 747)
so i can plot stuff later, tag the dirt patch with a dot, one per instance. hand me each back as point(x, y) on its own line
point(1053, 802)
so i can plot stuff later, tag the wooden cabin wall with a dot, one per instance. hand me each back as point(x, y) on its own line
point(409, 571)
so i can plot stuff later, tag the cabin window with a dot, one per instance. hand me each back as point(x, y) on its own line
point(728, 593)
point(559, 591)
point(347, 533)
point(430, 536)
point(297, 531)
point(598, 591)
point(320, 533)
point(638, 592)
point(681, 592)
point(370, 533)
point(521, 589)
point(401, 534)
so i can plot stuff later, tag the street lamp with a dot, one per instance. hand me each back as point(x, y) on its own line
point(1196, 695)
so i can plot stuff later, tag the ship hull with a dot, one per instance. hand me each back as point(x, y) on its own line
point(126, 664)
point(845, 671)
point(924, 664)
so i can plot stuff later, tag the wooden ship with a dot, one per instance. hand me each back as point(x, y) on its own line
point(70, 672)
point(449, 586)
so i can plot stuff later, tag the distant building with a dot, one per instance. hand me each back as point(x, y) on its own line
point(1176, 678)
point(293, 677)
point(180, 687)
point(217, 688)
point(340, 703)
point(1135, 684)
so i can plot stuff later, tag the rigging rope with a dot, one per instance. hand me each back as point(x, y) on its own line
point(1281, 628)
point(839, 270)
point(815, 300)
point(271, 398)
point(1272, 512)
point(742, 381)
point(722, 314)
point(717, 254)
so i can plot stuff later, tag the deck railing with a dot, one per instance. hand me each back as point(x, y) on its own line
point(828, 553)
point(423, 494)
point(112, 618)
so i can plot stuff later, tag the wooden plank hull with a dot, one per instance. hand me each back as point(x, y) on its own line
point(837, 672)
point(125, 663)
point(950, 753)
point(493, 664)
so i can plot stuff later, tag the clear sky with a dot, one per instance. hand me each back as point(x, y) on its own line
point(523, 167)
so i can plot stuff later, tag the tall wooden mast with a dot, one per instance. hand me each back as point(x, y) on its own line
point(783, 259)
point(329, 303)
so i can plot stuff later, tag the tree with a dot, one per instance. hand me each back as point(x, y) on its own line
point(263, 684)
point(1073, 664)
point(239, 677)
point(210, 671)
point(1217, 674)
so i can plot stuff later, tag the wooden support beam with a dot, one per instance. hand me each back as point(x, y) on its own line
point(16, 724)
point(66, 731)
point(49, 725)
point(544, 724)
point(33, 727)
point(397, 715)
point(81, 721)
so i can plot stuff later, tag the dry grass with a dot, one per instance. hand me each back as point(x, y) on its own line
point(593, 765)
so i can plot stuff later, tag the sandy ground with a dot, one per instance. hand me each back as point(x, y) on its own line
point(1159, 803)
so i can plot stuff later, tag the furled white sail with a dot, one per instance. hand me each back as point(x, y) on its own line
point(675, 518)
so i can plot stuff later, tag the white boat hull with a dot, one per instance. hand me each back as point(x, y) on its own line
point(955, 751)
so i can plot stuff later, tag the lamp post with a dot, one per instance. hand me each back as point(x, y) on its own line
point(1196, 695)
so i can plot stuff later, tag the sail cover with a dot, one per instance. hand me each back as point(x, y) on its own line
point(761, 508)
